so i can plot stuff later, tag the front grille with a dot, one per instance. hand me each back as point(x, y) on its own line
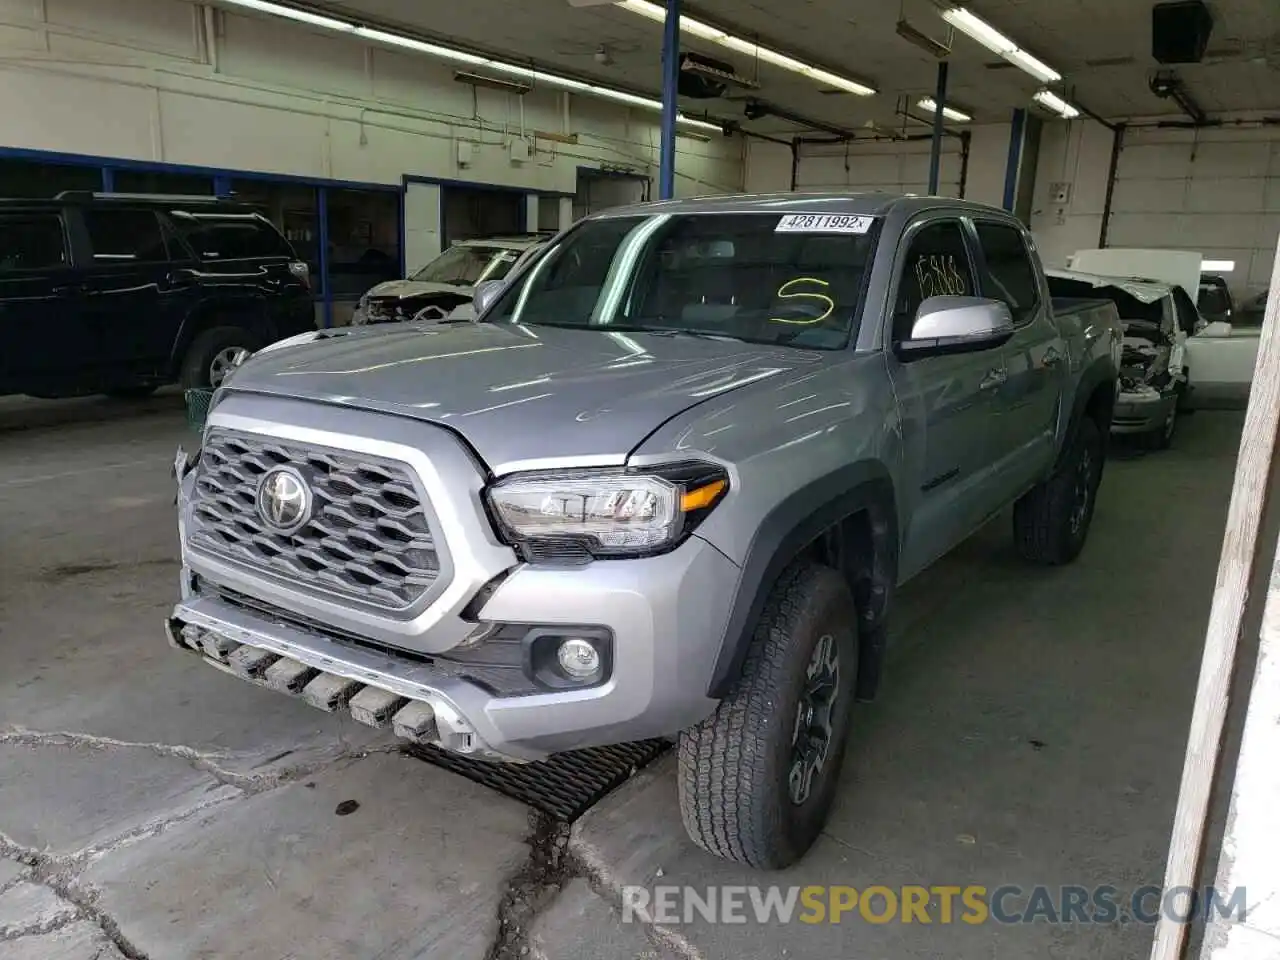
point(368, 537)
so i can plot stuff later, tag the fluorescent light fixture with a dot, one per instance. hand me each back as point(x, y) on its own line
point(974, 26)
point(705, 31)
point(1051, 101)
point(292, 13)
point(929, 105)
point(1217, 266)
point(453, 55)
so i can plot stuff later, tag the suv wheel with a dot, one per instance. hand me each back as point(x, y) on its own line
point(212, 355)
point(757, 777)
point(1051, 521)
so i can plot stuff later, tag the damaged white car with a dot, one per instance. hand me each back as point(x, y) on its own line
point(1155, 374)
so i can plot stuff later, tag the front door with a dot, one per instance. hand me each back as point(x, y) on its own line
point(948, 403)
point(135, 296)
point(1035, 357)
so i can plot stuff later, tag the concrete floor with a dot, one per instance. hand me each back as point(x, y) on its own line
point(1030, 731)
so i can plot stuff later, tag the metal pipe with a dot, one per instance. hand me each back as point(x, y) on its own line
point(939, 125)
point(670, 91)
point(965, 138)
point(795, 163)
point(1117, 144)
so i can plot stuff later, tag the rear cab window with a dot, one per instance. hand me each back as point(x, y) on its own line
point(215, 237)
point(32, 242)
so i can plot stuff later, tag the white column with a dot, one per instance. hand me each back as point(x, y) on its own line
point(566, 212)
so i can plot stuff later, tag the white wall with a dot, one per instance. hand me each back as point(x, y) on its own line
point(1216, 191)
point(1076, 154)
point(139, 79)
point(885, 165)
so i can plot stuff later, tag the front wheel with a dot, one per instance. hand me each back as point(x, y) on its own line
point(1051, 521)
point(757, 777)
point(214, 354)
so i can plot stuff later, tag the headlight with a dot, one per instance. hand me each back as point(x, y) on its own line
point(622, 513)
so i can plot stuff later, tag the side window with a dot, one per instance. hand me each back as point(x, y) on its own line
point(230, 236)
point(130, 236)
point(937, 265)
point(32, 241)
point(1009, 275)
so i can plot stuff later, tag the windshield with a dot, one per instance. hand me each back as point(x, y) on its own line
point(763, 278)
point(468, 265)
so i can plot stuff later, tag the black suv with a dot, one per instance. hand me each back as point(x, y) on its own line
point(120, 294)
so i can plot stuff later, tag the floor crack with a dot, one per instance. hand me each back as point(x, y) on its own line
point(59, 874)
point(592, 866)
point(206, 761)
point(533, 887)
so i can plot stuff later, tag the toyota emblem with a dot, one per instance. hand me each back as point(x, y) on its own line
point(284, 499)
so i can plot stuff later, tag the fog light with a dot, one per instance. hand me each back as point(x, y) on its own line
point(578, 658)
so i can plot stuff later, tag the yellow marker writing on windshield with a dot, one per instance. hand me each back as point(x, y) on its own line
point(784, 294)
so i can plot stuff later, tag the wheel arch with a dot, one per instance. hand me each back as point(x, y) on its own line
point(248, 314)
point(848, 520)
point(1095, 398)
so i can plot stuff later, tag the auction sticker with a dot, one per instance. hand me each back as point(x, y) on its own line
point(823, 223)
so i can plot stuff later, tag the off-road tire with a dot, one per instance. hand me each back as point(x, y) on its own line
point(1043, 529)
point(194, 373)
point(734, 766)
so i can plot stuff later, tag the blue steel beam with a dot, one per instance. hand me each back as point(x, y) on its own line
point(670, 85)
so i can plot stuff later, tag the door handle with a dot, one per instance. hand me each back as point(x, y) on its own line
point(993, 379)
point(66, 289)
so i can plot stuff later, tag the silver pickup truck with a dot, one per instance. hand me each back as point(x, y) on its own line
point(664, 486)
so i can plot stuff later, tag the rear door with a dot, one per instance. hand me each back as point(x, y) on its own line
point(1035, 357)
point(42, 338)
point(135, 295)
point(948, 403)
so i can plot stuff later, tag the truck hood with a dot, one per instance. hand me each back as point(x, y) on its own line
point(521, 395)
point(401, 289)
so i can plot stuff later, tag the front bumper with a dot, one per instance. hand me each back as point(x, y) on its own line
point(665, 614)
point(1142, 412)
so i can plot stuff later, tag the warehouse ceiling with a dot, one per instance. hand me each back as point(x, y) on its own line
point(1101, 47)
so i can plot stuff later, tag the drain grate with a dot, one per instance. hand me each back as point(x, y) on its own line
point(565, 786)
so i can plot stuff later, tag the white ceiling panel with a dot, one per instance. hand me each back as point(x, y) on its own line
point(1103, 48)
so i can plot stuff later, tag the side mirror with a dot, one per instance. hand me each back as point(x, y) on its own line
point(485, 293)
point(945, 325)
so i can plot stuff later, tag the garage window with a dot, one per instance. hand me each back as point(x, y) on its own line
point(31, 242)
point(1009, 275)
point(125, 235)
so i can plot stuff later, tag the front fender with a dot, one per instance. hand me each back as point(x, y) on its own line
point(784, 533)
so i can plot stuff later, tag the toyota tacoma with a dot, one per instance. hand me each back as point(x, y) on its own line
point(664, 485)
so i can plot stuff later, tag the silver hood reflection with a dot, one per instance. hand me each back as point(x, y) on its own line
point(521, 394)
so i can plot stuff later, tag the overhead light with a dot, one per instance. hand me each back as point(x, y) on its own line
point(706, 31)
point(975, 27)
point(293, 13)
point(492, 83)
point(929, 105)
point(1051, 101)
point(453, 55)
point(1217, 266)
